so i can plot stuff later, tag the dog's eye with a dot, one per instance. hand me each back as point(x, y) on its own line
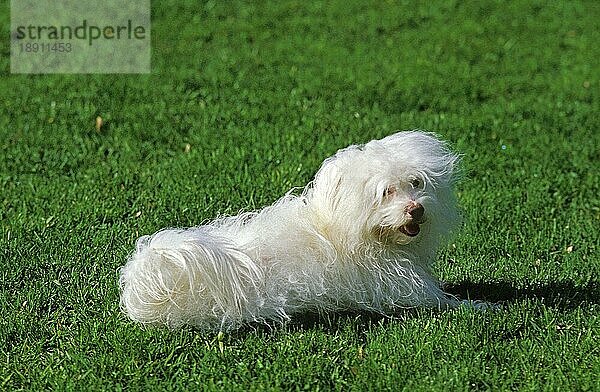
point(389, 191)
point(416, 183)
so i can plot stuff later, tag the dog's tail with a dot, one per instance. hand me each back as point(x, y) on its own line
point(192, 276)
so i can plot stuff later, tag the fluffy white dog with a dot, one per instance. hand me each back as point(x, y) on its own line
point(361, 236)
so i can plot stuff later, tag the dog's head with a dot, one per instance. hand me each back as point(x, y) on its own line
point(394, 191)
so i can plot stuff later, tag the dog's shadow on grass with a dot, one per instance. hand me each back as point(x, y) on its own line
point(328, 323)
point(559, 295)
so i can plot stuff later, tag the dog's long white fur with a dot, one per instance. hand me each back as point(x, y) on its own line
point(337, 246)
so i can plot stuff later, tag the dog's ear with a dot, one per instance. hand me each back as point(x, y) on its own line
point(340, 180)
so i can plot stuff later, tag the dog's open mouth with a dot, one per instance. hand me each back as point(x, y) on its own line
point(411, 229)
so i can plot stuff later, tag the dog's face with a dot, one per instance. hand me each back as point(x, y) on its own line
point(398, 212)
point(393, 191)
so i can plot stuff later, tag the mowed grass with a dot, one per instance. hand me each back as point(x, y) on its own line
point(244, 102)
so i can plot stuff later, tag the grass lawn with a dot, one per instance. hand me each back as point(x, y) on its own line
point(244, 102)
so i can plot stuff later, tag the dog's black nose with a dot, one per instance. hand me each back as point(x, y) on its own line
point(416, 211)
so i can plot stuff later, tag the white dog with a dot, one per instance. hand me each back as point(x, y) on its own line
point(361, 236)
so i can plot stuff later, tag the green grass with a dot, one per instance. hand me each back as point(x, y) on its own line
point(262, 94)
